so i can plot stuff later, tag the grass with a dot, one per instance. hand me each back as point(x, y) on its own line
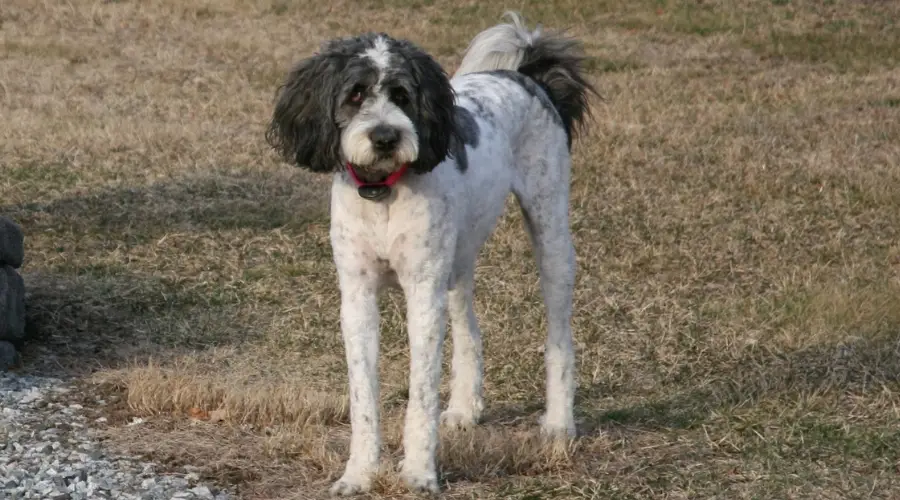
point(736, 206)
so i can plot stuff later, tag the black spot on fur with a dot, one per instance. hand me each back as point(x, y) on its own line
point(458, 150)
point(468, 127)
point(472, 94)
point(533, 89)
point(468, 136)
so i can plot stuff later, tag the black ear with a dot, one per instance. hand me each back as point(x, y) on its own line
point(303, 128)
point(434, 120)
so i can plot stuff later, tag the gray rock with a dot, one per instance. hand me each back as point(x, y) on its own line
point(178, 483)
point(12, 243)
point(12, 305)
point(202, 492)
point(8, 355)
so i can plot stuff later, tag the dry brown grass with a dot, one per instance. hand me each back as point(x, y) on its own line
point(736, 206)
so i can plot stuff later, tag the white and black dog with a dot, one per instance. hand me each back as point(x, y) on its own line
point(422, 168)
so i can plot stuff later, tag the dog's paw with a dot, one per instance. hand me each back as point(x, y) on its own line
point(452, 419)
point(351, 484)
point(420, 480)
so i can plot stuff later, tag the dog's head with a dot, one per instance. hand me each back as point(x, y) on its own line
point(371, 101)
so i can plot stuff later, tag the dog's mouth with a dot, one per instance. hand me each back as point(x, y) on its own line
point(367, 176)
point(378, 189)
point(377, 171)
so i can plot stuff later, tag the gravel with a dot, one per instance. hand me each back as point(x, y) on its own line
point(49, 449)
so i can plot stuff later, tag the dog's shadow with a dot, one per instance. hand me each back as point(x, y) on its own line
point(282, 198)
point(83, 313)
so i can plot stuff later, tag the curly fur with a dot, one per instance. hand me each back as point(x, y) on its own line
point(306, 125)
point(552, 60)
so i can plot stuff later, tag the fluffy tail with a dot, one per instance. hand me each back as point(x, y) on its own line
point(552, 60)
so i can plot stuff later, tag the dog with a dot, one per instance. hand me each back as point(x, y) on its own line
point(422, 165)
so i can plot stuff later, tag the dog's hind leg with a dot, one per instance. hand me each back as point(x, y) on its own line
point(466, 400)
point(543, 196)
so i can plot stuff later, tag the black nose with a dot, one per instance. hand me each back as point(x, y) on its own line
point(384, 138)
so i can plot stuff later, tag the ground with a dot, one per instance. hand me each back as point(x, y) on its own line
point(735, 204)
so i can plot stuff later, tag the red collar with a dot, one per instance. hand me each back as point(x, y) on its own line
point(376, 190)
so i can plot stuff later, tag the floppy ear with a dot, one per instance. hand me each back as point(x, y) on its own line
point(435, 119)
point(303, 128)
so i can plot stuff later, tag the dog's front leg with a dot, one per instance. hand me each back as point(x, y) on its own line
point(359, 325)
point(426, 298)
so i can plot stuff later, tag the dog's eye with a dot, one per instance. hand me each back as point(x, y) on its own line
point(357, 94)
point(400, 97)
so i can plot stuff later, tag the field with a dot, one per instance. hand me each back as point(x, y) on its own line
point(736, 209)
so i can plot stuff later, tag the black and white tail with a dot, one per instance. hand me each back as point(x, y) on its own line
point(552, 60)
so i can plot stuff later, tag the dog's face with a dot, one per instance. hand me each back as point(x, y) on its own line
point(371, 101)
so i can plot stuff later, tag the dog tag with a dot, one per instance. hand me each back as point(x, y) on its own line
point(374, 193)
